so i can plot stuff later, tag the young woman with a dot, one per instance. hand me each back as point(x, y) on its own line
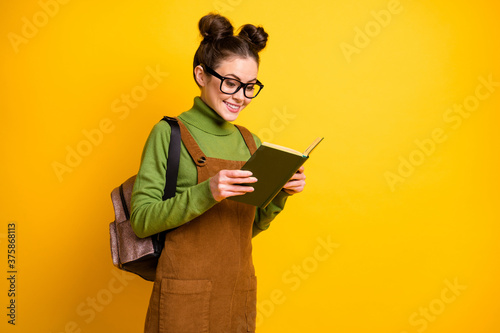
point(205, 280)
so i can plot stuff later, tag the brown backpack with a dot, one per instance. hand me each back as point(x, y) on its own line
point(129, 252)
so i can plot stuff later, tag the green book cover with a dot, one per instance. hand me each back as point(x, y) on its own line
point(273, 166)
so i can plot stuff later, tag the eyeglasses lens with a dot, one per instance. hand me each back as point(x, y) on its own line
point(229, 86)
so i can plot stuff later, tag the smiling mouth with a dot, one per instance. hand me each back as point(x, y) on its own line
point(232, 107)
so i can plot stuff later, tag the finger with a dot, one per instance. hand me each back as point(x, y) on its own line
point(294, 189)
point(236, 173)
point(295, 184)
point(234, 190)
point(298, 176)
point(291, 192)
point(246, 180)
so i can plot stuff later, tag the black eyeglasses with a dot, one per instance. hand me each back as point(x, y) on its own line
point(231, 86)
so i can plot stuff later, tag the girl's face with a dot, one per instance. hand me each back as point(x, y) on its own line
point(227, 106)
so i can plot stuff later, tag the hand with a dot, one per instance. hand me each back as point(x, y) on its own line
point(297, 183)
point(224, 183)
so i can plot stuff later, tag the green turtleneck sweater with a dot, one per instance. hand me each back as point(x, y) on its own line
point(217, 138)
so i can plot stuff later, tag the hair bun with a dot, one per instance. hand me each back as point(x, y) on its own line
point(255, 35)
point(214, 26)
point(219, 42)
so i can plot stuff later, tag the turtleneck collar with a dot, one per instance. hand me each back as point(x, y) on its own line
point(206, 119)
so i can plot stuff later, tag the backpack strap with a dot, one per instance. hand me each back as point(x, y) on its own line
point(174, 153)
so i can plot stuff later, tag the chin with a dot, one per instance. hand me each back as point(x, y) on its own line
point(229, 115)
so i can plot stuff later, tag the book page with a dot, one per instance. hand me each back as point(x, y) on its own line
point(313, 145)
point(278, 147)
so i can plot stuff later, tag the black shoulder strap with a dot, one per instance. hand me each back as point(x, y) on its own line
point(174, 153)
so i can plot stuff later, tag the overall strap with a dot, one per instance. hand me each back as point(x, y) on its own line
point(199, 158)
point(194, 150)
point(248, 137)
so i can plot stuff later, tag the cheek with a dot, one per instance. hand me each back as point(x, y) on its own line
point(212, 87)
point(213, 94)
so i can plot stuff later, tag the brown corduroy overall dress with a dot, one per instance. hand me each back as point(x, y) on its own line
point(205, 280)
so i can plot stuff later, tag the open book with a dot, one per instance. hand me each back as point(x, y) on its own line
point(273, 166)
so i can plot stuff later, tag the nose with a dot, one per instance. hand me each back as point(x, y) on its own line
point(239, 95)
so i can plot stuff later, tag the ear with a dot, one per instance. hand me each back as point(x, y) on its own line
point(199, 74)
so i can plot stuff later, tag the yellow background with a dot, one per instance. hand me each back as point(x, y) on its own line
point(399, 246)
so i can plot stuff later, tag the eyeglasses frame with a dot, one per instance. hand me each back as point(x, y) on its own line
point(242, 85)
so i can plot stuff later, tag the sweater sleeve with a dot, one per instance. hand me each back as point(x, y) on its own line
point(150, 214)
point(263, 217)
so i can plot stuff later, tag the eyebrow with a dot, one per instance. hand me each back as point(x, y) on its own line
point(237, 78)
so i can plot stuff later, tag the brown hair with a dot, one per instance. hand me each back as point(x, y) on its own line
point(220, 43)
